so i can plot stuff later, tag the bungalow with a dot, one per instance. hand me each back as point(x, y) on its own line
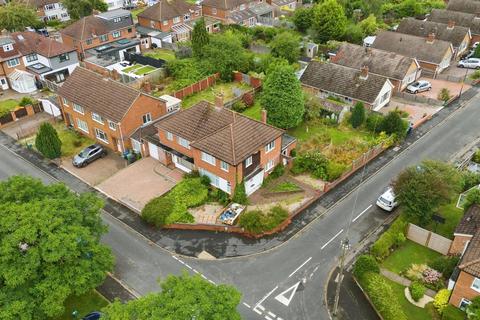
point(465, 280)
point(459, 36)
point(400, 70)
point(106, 110)
point(241, 12)
point(432, 54)
point(467, 6)
point(469, 20)
point(351, 85)
point(224, 145)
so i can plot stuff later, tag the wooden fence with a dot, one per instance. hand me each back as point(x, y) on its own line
point(197, 86)
point(428, 239)
point(20, 112)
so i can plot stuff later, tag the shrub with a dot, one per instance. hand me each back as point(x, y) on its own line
point(473, 309)
point(365, 263)
point(445, 265)
point(257, 222)
point(393, 237)
point(469, 180)
point(475, 75)
point(239, 196)
point(473, 197)
point(374, 122)
point(26, 101)
point(192, 192)
point(157, 210)
point(313, 162)
point(431, 276)
point(358, 115)
point(48, 142)
point(278, 171)
point(248, 99)
point(392, 123)
point(383, 297)
point(444, 95)
point(476, 157)
point(441, 300)
point(335, 170)
point(415, 272)
point(452, 313)
point(205, 180)
point(192, 174)
point(239, 106)
point(417, 290)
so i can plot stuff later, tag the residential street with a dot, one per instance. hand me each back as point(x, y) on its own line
point(286, 282)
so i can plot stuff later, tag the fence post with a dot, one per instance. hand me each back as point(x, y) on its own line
point(427, 242)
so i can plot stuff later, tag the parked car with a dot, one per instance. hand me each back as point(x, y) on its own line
point(95, 315)
point(467, 55)
point(387, 200)
point(471, 63)
point(419, 86)
point(88, 155)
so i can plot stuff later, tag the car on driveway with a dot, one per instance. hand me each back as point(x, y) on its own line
point(88, 155)
point(419, 86)
point(471, 63)
point(95, 315)
point(387, 200)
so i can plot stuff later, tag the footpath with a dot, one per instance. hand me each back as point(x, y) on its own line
point(219, 244)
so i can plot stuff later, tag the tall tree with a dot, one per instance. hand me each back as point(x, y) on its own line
point(282, 97)
point(182, 297)
point(50, 247)
point(200, 37)
point(286, 45)
point(302, 18)
point(81, 8)
point(392, 123)
point(48, 142)
point(358, 115)
point(369, 25)
point(16, 16)
point(329, 21)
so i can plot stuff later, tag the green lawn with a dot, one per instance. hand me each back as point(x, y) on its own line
point(163, 54)
point(412, 312)
point(132, 68)
point(84, 304)
point(7, 105)
point(209, 94)
point(143, 70)
point(407, 254)
point(255, 111)
point(286, 186)
point(452, 216)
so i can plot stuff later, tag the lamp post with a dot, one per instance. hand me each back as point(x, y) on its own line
point(345, 247)
point(463, 82)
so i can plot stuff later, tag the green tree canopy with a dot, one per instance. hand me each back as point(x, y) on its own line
point(302, 18)
point(282, 97)
point(286, 45)
point(369, 25)
point(473, 309)
point(200, 37)
point(421, 189)
point(50, 247)
point(81, 8)
point(183, 297)
point(48, 142)
point(329, 21)
point(16, 16)
point(358, 115)
point(392, 123)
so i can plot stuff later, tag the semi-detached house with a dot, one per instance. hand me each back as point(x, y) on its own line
point(241, 12)
point(106, 110)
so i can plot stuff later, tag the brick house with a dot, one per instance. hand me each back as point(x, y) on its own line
point(399, 69)
point(241, 12)
point(111, 32)
point(458, 36)
point(224, 145)
point(106, 110)
point(350, 85)
point(49, 9)
point(469, 20)
point(465, 280)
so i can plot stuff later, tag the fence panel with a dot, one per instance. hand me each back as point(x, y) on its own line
point(428, 239)
point(20, 113)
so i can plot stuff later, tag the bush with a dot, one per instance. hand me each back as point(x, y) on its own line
point(257, 222)
point(415, 272)
point(26, 101)
point(473, 309)
point(205, 180)
point(417, 290)
point(393, 237)
point(278, 171)
point(452, 313)
point(469, 180)
point(445, 265)
point(476, 157)
point(358, 115)
point(48, 142)
point(383, 297)
point(374, 122)
point(392, 123)
point(444, 95)
point(239, 196)
point(441, 300)
point(313, 162)
point(157, 210)
point(239, 106)
point(335, 170)
point(473, 197)
point(191, 191)
point(365, 263)
point(475, 75)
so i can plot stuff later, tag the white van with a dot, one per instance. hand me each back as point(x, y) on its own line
point(387, 200)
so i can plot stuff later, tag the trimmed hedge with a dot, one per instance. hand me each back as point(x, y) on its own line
point(393, 237)
point(257, 222)
point(452, 313)
point(365, 263)
point(417, 291)
point(383, 297)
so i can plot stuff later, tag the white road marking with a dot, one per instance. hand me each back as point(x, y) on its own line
point(265, 298)
point(204, 277)
point(261, 307)
point(291, 274)
point(246, 305)
point(278, 318)
point(283, 299)
point(361, 213)
point(257, 311)
point(268, 318)
point(272, 314)
point(186, 265)
point(195, 271)
point(329, 241)
point(211, 282)
point(175, 258)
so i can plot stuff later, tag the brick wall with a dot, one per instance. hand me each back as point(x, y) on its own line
point(220, 14)
point(463, 289)
point(82, 46)
point(197, 86)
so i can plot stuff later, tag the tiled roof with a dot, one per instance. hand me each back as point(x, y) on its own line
point(412, 46)
point(167, 9)
point(223, 133)
point(388, 64)
point(32, 42)
point(224, 4)
point(91, 26)
point(343, 81)
point(40, 3)
point(92, 91)
point(470, 222)
point(468, 6)
point(461, 19)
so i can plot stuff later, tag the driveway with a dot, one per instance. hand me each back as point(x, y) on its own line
point(457, 73)
point(416, 111)
point(438, 85)
point(135, 185)
point(97, 171)
point(26, 126)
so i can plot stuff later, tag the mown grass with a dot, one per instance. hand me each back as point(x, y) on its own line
point(409, 253)
point(84, 304)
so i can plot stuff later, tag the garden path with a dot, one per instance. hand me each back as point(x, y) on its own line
point(403, 281)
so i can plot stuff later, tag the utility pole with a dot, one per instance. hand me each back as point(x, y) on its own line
point(345, 246)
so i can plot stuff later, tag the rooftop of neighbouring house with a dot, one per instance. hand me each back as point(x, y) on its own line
point(468, 6)
point(469, 225)
point(225, 4)
point(168, 9)
point(464, 19)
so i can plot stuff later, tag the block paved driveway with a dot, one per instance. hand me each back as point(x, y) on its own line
point(438, 85)
point(143, 180)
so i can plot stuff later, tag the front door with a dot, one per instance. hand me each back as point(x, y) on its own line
point(3, 84)
point(254, 183)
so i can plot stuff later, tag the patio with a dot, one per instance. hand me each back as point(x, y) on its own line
point(437, 85)
point(416, 111)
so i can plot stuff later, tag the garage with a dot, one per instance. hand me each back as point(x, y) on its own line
point(254, 183)
point(153, 150)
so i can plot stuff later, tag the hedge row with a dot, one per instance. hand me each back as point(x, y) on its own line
point(393, 237)
point(257, 222)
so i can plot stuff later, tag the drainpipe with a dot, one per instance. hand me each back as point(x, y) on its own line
point(121, 136)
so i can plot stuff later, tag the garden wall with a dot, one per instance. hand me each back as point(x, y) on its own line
point(20, 112)
point(428, 239)
point(418, 98)
point(245, 78)
point(197, 86)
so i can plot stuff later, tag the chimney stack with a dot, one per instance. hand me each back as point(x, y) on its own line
point(264, 116)
point(431, 37)
point(147, 86)
point(219, 100)
point(364, 72)
point(451, 24)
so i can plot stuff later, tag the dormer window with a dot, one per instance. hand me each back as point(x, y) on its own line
point(8, 47)
point(186, 17)
point(117, 20)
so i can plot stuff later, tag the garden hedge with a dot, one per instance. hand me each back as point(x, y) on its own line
point(417, 291)
point(364, 264)
point(383, 297)
point(257, 222)
point(394, 236)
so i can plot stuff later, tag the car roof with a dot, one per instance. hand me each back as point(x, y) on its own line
point(388, 194)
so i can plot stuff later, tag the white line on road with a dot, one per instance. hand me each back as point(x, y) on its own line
point(329, 241)
point(186, 265)
point(268, 318)
point(257, 311)
point(261, 307)
point(265, 298)
point(211, 282)
point(291, 274)
point(246, 305)
point(203, 276)
point(361, 213)
point(271, 314)
point(195, 271)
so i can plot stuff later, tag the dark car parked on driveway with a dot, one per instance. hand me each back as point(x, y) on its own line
point(88, 155)
point(95, 315)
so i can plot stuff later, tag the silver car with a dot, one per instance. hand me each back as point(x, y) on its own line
point(471, 63)
point(419, 86)
point(88, 155)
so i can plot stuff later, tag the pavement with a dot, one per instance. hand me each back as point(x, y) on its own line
point(26, 126)
point(284, 276)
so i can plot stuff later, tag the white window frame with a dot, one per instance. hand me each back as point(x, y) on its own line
point(214, 11)
point(116, 34)
point(208, 158)
point(12, 63)
point(97, 131)
point(225, 166)
point(118, 19)
point(164, 22)
point(80, 125)
point(474, 286)
point(112, 125)
point(176, 20)
point(103, 37)
point(269, 147)
point(183, 142)
point(466, 301)
point(8, 47)
point(65, 102)
point(186, 17)
point(31, 57)
point(64, 57)
point(147, 118)
point(169, 136)
point(78, 108)
point(269, 165)
point(248, 162)
point(97, 118)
